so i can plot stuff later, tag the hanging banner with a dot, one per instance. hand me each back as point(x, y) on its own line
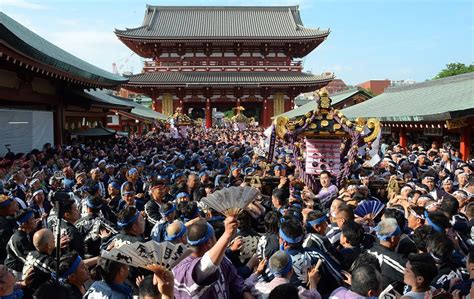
point(323, 154)
point(271, 148)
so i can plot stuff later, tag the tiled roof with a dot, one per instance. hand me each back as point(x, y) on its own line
point(432, 100)
point(28, 43)
point(188, 79)
point(136, 109)
point(335, 98)
point(143, 111)
point(178, 22)
point(340, 96)
point(106, 98)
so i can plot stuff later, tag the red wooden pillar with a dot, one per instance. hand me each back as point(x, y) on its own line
point(465, 143)
point(292, 93)
point(403, 138)
point(289, 104)
point(267, 109)
point(270, 111)
point(208, 113)
point(156, 104)
point(140, 128)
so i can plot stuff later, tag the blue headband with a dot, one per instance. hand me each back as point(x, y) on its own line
point(24, 218)
point(178, 235)
point(132, 171)
point(6, 203)
point(115, 185)
point(207, 236)
point(286, 269)
point(171, 210)
point(128, 192)
point(182, 194)
point(318, 221)
point(289, 239)
point(132, 220)
point(91, 205)
point(396, 232)
point(73, 268)
point(432, 224)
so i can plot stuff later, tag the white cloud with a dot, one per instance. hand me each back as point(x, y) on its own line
point(23, 4)
point(100, 48)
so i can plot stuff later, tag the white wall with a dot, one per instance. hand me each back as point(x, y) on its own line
point(25, 130)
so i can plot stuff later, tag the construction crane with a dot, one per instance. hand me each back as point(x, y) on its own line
point(116, 69)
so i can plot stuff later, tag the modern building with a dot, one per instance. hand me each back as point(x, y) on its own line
point(376, 87)
point(336, 85)
point(401, 82)
point(439, 110)
point(211, 59)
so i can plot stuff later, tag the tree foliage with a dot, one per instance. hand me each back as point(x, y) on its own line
point(453, 69)
point(229, 113)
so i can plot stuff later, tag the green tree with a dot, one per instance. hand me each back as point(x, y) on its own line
point(229, 113)
point(453, 69)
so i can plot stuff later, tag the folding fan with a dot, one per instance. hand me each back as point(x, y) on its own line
point(142, 255)
point(369, 207)
point(231, 201)
point(390, 292)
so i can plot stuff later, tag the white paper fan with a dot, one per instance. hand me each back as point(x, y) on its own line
point(142, 255)
point(231, 201)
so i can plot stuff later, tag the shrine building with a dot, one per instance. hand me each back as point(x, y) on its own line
point(212, 59)
point(440, 110)
point(44, 91)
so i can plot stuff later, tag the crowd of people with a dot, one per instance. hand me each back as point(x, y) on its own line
point(401, 228)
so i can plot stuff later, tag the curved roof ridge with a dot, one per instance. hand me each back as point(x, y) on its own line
point(447, 80)
point(353, 89)
point(32, 45)
point(231, 7)
point(129, 29)
point(174, 22)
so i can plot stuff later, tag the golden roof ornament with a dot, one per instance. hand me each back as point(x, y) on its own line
point(324, 102)
point(240, 117)
point(325, 122)
point(181, 119)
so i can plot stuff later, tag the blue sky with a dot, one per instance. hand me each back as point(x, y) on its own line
point(370, 39)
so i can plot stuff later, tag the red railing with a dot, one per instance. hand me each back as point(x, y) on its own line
point(204, 62)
